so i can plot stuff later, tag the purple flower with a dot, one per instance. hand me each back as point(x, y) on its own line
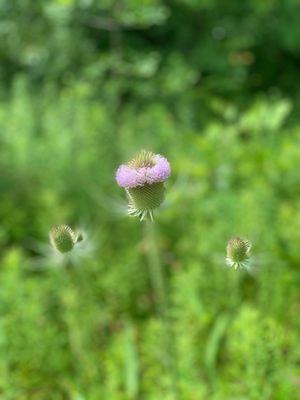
point(143, 179)
point(132, 175)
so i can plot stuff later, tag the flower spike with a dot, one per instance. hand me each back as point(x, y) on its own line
point(63, 238)
point(143, 179)
point(238, 253)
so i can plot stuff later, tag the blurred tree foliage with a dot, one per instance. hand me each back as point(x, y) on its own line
point(157, 46)
point(212, 85)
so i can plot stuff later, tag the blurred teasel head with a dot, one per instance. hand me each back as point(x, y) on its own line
point(238, 252)
point(63, 238)
point(143, 179)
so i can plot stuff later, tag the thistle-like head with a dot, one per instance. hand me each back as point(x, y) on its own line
point(238, 252)
point(143, 179)
point(63, 238)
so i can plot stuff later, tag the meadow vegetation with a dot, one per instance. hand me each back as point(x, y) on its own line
point(212, 85)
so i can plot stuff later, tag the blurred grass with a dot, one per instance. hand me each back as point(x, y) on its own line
point(91, 329)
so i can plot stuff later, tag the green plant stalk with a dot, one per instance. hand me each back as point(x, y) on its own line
point(157, 278)
point(158, 284)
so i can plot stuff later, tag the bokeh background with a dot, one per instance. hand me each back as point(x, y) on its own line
point(214, 86)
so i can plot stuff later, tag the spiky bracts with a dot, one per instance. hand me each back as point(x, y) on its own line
point(144, 199)
point(143, 179)
point(63, 238)
point(238, 252)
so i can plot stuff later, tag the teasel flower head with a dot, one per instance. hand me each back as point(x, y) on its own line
point(238, 253)
point(143, 179)
point(63, 238)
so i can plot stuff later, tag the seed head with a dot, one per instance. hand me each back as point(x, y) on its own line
point(143, 179)
point(62, 238)
point(238, 252)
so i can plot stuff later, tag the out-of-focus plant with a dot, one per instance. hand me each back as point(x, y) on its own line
point(63, 238)
point(238, 250)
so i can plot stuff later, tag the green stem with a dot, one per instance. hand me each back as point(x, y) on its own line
point(155, 270)
point(158, 284)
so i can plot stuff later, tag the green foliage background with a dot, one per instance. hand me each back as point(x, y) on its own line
point(212, 85)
